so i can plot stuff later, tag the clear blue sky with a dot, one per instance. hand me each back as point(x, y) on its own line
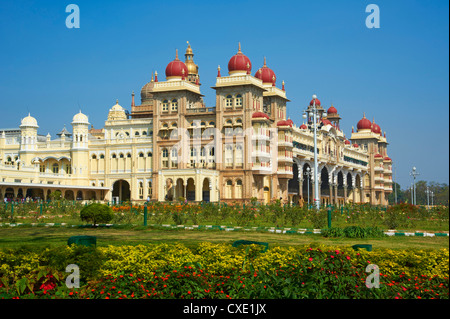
point(397, 74)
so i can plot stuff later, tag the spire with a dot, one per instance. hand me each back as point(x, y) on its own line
point(282, 83)
point(152, 77)
point(132, 99)
point(156, 76)
point(218, 71)
point(176, 54)
point(239, 50)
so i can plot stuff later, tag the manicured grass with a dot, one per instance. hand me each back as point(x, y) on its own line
point(56, 236)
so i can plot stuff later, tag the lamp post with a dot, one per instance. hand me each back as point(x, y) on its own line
point(308, 174)
point(395, 186)
point(313, 112)
point(428, 197)
point(432, 198)
point(412, 195)
point(414, 173)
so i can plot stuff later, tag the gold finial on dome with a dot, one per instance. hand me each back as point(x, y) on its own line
point(239, 50)
point(264, 62)
point(176, 54)
point(152, 77)
point(188, 51)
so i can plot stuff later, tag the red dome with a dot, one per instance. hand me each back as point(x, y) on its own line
point(312, 102)
point(332, 110)
point(303, 127)
point(283, 123)
point(260, 114)
point(326, 122)
point(387, 159)
point(355, 145)
point(176, 68)
point(266, 74)
point(347, 142)
point(378, 156)
point(239, 62)
point(376, 128)
point(290, 122)
point(364, 124)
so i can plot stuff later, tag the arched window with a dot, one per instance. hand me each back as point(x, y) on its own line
point(239, 182)
point(102, 156)
point(129, 155)
point(141, 154)
point(165, 106)
point(94, 156)
point(149, 154)
point(174, 105)
point(229, 101)
point(211, 151)
point(144, 133)
point(193, 151)
point(55, 168)
point(174, 152)
point(212, 123)
point(121, 155)
point(136, 133)
point(165, 153)
point(141, 190)
point(114, 155)
point(238, 100)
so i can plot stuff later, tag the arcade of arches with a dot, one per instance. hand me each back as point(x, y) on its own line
point(336, 186)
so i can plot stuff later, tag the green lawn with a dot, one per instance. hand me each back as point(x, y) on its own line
point(55, 236)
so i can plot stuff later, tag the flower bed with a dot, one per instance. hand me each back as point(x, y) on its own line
point(222, 271)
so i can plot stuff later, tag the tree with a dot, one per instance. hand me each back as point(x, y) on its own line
point(56, 195)
point(97, 213)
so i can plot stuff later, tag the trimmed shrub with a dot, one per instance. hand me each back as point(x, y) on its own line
point(97, 213)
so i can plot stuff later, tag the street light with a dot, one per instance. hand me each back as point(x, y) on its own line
point(308, 174)
point(313, 112)
point(432, 198)
point(428, 197)
point(413, 173)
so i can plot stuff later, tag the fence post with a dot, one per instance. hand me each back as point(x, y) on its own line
point(329, 217)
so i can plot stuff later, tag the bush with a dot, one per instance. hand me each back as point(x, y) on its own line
point(222, 271)
point(353, 232)
point(97, 213)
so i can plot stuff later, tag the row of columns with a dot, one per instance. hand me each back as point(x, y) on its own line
point(4, 191)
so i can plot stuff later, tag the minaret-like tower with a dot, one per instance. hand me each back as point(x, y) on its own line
point(80, 151)
point(192, 75)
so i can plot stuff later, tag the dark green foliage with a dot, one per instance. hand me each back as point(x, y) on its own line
point(97, 213)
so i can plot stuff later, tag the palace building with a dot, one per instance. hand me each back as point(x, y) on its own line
point(174, 147)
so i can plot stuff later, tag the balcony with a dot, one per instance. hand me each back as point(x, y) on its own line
point(201, 110)
point(285, 144)
point(378, 169)
point(261, 155)
point(261, 170)
point(285, 159)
